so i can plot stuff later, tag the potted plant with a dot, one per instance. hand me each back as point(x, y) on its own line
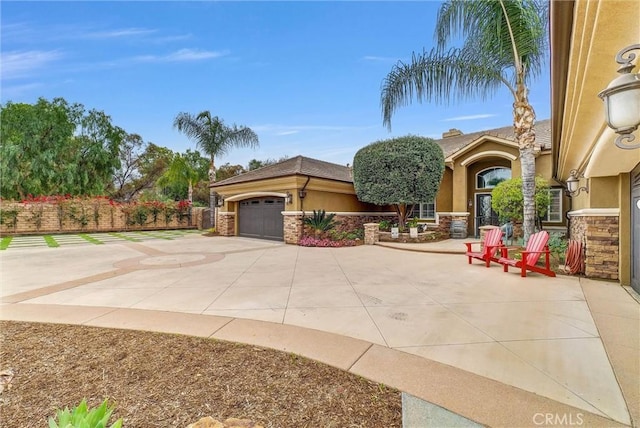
point(413, 227)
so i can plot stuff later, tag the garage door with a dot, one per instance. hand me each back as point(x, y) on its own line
point(262, 218)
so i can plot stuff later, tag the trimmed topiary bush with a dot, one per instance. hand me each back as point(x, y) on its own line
point(400, 172)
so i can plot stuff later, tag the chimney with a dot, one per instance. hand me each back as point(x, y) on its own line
point(453, 132)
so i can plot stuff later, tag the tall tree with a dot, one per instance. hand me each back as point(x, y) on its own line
point(504, 46)
point(185, 170)
point(214, 138)
point(227, 171)
point(53, 147)
point(141, 164)
point(255, 163)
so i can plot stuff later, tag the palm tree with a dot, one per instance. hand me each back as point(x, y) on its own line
point(214, 138)
point(504, 45)
point(182, 171)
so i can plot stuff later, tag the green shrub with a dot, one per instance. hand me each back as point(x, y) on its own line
point(321, 221)
point(83, 417)
point(508, 202)
point(400, 171)
point(385, 225)
point(558, 245)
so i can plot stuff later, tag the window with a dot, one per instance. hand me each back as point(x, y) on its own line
point(490, 177)
point(427, 210)
point(554, 211)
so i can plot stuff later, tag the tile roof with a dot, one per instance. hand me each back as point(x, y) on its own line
point(301, 165)
point(298, 165)
point(451, 145)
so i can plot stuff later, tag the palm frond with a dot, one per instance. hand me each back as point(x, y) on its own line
point(437, 76)
point(211, 134)
point(508, 30)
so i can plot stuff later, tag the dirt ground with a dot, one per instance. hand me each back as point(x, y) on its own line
point(164, 380)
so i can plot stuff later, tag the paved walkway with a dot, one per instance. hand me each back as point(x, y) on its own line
point(493, 347)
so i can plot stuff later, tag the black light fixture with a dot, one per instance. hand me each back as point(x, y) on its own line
point(289, 198)
point(219, 200)
point(573, 183)
point(622, 100)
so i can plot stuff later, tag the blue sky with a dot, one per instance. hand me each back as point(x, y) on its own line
point(305, 75)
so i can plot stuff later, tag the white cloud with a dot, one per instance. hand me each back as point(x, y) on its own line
point(379, 58)
point(118, 33)
point(287, 132)
point(16, 64)
point(182, 55)
point(470, 117)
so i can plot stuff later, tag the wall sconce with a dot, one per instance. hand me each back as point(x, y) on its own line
point(469, 203)
point(219, 200)
point(289, 198)
point(572, 184)
point(622, 100)
point(302, 194)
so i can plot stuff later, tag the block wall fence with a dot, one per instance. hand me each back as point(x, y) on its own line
point(36, 218)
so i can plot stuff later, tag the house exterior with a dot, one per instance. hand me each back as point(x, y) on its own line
point(586, 35)
point(476, 163)
point(270, 202)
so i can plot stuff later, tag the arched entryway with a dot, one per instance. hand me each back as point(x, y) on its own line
point(484, 177)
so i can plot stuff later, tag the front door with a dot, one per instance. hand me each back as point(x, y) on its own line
point(485, 215)
point(635, 226)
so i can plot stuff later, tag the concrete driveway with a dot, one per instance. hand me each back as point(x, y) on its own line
point(496, 348)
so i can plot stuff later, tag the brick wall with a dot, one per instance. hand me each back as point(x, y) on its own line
point(90, 216)
point(600, 236)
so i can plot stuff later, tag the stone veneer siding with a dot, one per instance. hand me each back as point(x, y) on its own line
point(600, 236)
point(371, 233)
point(442, 229)
point(292, 228)
point(225, 224)
point(444, 223)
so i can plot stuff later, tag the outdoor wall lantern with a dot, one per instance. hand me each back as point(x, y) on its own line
point(622, 100)
point(220, 201)
point(573, 182)
point(289, 198)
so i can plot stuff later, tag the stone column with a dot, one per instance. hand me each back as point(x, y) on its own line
point(293, 227)
point(371, 233)
point(599, 231)
point(226, 223)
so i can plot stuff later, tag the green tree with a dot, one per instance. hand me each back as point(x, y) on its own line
point(504, 46)
point(401, 172)
point(214, 138)
point(185, 170)
point(227, 171)
point(255, 163)
point(53, 147)
point(506, 198)
point(141, 164)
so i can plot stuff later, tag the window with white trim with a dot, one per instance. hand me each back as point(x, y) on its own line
point(491, 177)
point(554, 210)
point(427, 210)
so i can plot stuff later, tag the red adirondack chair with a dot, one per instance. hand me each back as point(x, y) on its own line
point(536, 246)
point(492, 241)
